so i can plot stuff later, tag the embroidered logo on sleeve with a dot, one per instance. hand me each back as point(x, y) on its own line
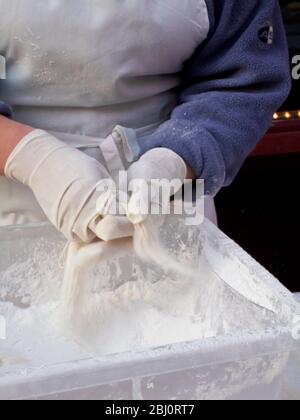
point(266, 34)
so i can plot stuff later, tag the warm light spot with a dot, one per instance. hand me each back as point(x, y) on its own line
point(288, 115)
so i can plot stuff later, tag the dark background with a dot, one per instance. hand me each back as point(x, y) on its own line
point(261, 209)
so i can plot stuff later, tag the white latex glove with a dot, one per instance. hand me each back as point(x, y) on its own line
point(154, 166)
point(157, 164)
point(114, 227)
point(63, 180)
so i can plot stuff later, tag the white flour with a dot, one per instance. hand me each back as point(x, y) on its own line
point(123, 304)
point(79, 314)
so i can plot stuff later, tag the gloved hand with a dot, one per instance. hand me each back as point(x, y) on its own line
point(64, 182)
point(154, 166)
point(151, 169)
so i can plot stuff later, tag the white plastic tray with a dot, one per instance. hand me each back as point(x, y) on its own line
point(247, 365)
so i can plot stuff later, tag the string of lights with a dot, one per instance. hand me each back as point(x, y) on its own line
point(286, 115)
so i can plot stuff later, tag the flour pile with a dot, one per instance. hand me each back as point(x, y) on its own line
point(113, 302)
point(80, 313)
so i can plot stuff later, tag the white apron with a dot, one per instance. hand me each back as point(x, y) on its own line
point(79, 68)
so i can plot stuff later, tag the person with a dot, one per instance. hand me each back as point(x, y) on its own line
point(184, 89)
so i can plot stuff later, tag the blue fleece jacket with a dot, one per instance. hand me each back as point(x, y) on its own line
point(5, 110)
point(232, 86)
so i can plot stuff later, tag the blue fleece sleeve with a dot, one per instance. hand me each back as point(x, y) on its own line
point(234, 83)
point(5, 110)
